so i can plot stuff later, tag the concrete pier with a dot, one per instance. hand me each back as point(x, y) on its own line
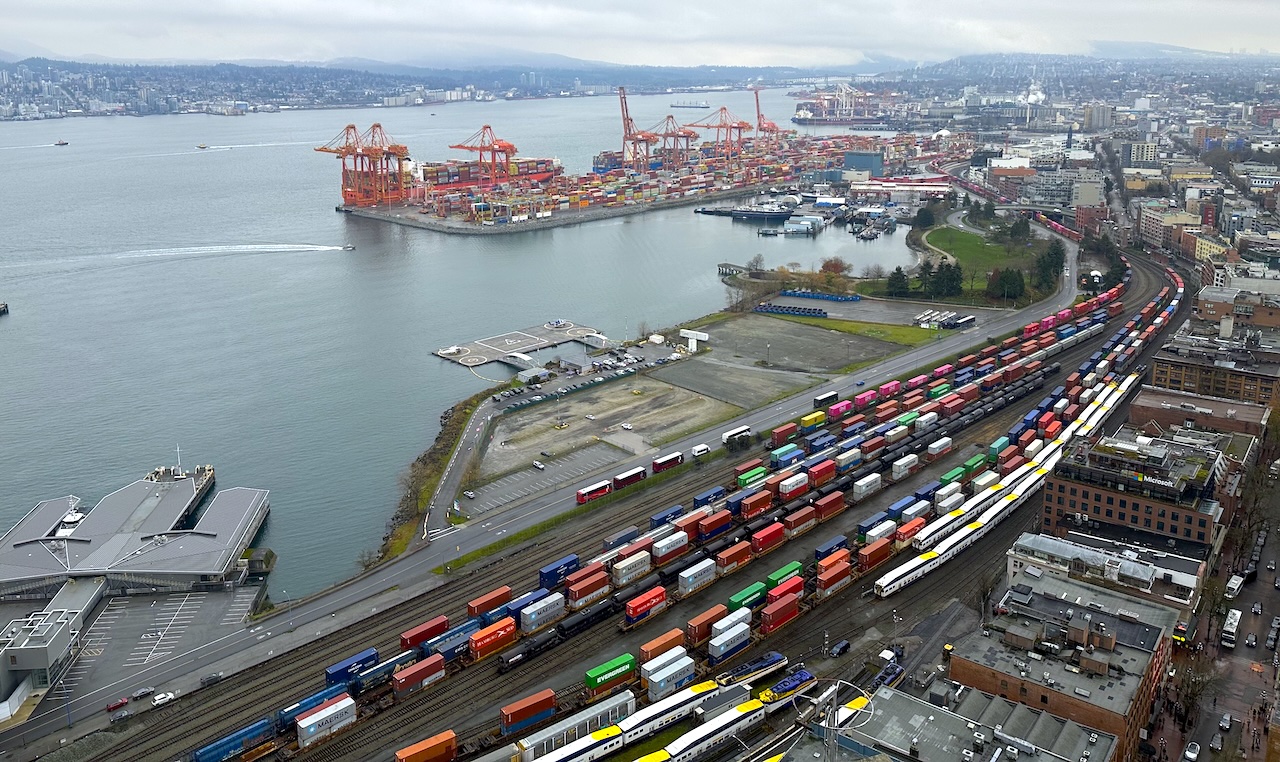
point(512, 347)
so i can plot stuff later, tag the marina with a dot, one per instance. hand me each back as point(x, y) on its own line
point(513, 347)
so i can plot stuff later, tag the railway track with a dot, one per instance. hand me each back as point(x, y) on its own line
point(250, 695)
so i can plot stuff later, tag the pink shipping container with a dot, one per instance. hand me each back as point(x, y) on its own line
point(916, 381)
point(1064, 316)
point(839, 410)
point(889, 388)
point(1049, 322)
point(863, 400)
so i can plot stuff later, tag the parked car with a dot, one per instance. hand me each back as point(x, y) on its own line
point(210, 679)
point(468, 494)
point(547, 454)
point(1275, 622)
point(1257, 607)
point(1251, 641)
point(1192, 752)
point(840, 649)
point(1271, 639)
point(118, 703)
point(1215, 743)
point(539, 465)
point(627, 427)
point(163, 698)
point(1224, 724)
point(143, 693)
point(121, 716)
point(590, 417)
point(1271, 565)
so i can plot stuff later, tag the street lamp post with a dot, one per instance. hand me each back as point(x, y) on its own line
point(288, 602)
point(767, 347)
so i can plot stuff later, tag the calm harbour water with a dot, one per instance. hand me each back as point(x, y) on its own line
point(163, 295)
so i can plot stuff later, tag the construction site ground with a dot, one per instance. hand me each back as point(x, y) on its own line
point(761, 341)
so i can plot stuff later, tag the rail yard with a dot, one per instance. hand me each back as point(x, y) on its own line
point(247, 698)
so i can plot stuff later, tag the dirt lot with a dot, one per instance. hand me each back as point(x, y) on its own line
point(887, 310)
point(731, 381)
point(658, 412)
point(781, 345)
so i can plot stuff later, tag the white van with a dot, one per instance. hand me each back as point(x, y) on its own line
point(699, 450)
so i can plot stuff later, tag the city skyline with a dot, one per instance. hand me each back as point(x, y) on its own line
point(659, 33)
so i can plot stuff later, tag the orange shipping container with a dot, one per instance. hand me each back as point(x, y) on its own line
point(835, 559)
point(438, 748)
point(661, 644)
point(493, 638)
point(489, 601)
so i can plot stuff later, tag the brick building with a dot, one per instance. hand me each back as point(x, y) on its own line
point(1156, 410)
point(1099, 662)
point(1177, 486)
point(1234, 372)
point(1243, 307)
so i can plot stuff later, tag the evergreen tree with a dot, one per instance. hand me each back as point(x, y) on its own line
point(989, 210)
point(924, 218)
point(1020, 230)
point(926, 276)
point(898, 285)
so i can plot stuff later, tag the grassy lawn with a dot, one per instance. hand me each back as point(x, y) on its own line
point(906, 335)
point(976, 255)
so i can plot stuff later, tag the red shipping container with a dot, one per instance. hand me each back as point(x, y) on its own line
point(689, 524)
point(873, 554)
point(793, 585)
point(1032, 367)
point(646, 601)
point(662, 644)
point(713, 522)
point(859, 418)
point(489, 601)
point(884, 414)
point(951, 408)
point(1007, 454)
point(1073, 395)
point(588, 586)
point(909, 529)
point(940, 382)
point(969, 392)
point(829, 506)
point(698, 630)
point(1010, 342)
point(748, 467)
point(800, 517)
point(833, 575)
point(1012, 465)
point(989, 351)
point(784, 434)
point(930, 407)
point(733, 556)
point(1046, 341)
point(773, 483)
point(1072, 380)
point(913, 399)
point(1028, 347)
point(412, 675)
point(768, 538)
point(493, 638)
point(1115, 308)
point(1026, 438)
point(1072, 412)
point(841, 556)
point(776, 614)
point(423, 632)
point(586, 572)
point(872, 445)
point(822, 473)
point(756, 504)
point(528, 707)
point(636, 548)
point(966, 361)
point(1052, 431)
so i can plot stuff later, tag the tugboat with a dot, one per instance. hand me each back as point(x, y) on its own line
point(62, 143)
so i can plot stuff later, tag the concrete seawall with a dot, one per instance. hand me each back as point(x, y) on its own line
point(412, 217)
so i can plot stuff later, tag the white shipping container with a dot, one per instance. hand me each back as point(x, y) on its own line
point(881, 530)
point(723, 625)
point(697, 576)
point(729, 640)
point(897, 433)
point(950, 504)
point(984, 480)
point(1103, 367)
point(668, 545)
point(951, 489)
point(672, 677)
point(1061, 405)
point(845, 458)
point(866, 485)
point(926, 422)
point(940, 446)
point(657, 663)
point(1087, 396)
point(631, 568)
point(1090, 379)
point(793, 482)
point(1033, 447)
point(325, 720)
point(539, 613)
point(922, 508)
point(907, 461)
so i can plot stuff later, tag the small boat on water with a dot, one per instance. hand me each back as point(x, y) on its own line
point(768, 231)
point(349, 247)
point(62, 143)
point(202, 146)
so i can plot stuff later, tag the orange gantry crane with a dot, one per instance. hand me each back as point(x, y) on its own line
point(494, 155)
point(676, 142)
point(636, 144)
point(373, 170)
point(729, 131)
point(767, 133)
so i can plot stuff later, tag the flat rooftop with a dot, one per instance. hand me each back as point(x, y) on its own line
point(1135, 622)
point(1215, 407)
point(893, 720)
point(1160, 559)
point(134, 530)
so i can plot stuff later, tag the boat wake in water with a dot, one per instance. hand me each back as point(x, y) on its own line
point(253, 248)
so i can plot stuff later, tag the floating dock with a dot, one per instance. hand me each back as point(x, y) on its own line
point(513, 347)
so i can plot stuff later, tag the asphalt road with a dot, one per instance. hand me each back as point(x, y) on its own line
point(411, 573)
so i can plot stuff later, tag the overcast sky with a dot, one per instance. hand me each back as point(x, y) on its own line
point(657, 32)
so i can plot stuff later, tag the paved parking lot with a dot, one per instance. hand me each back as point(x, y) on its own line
point(888, 311)
point(131, 633)
point(527, 481)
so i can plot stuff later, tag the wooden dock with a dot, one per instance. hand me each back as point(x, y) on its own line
point(513, 347)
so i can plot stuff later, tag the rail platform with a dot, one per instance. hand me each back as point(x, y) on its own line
point(513, 347)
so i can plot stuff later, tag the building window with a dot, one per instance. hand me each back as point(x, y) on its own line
point(1071, 504)
point(1061, 488)
point(1097, 497)
point(1121, 515)
point(1200, 536)
point(1160, 525)
point(1146, 523)
point(1095, 510)
point(1044, 698)
point(1186, 532)
point(1186, 519)
point(1161, 514)
point(1073, 491)
point(1133, 518)
point(1124, 503)
point(1048, 521)
point(1111, 499)
point(1202, 524)
point(1059, 499)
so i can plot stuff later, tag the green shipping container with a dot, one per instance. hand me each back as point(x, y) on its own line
point(610, 671)
point(996, 448)
point(906, 419)
point(783, 450)
point(975, 464)
point(749, 598)
point(954, 475)
point(792, 569)
point(754, 475)
point(941, 391)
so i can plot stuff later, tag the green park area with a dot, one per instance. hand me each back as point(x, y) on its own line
point(906, 335)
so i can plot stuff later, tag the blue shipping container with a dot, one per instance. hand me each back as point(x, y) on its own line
point(734, 503)
point(286, 716)
point(895, 510)
point(466, 628)
point(528, 599)
point(825, 442)
point(666, 517)
point(786, 460)
point(551, 575)
point(927, 491)
point(863, 526)
point(854, 428)
point(830, 546)
point(454, 647)
point(715, 493)
point(528, 722)
point(348, 668)
point(810, 463)
point(238, 742)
